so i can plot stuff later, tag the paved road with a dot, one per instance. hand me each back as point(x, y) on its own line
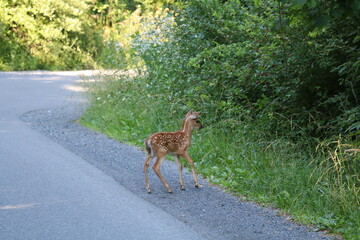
point(48, 192)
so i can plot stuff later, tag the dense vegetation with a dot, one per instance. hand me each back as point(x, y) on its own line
point(46, 34)
point(277, 82)
point(64, 35)
point(278, 85)
point(267, 61)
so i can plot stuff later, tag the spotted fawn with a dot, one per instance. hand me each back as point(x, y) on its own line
point(176, 143)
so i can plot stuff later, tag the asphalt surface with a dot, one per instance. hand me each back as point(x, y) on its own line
point(69, 182)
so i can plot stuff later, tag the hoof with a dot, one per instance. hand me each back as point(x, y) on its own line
point(182, 187)
point(148, 190)
point(169, 190)
point(198, 186)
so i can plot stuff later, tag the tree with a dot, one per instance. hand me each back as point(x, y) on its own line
point(47, 34)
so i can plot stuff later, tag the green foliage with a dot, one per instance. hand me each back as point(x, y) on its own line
point(263, 59)
point(47, 35)
point(120, 20)
point(70, 34)
point(264, 70)
point(315, 187)
point(273, 80)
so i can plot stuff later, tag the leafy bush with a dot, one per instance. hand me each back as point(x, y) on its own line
point(273, 79)
point(241, 58)
point(47, 35)
point(285, 75)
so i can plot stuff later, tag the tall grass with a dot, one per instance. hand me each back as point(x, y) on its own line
point(317, 187)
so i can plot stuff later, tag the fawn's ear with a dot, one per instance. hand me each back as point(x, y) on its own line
point(189, 113)
point(192, 116)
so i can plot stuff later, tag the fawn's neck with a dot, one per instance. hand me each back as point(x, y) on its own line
point(186, 128)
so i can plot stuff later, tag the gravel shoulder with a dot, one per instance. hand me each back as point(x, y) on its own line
point(209, 210)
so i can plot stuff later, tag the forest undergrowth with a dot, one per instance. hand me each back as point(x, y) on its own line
point(313, 186)
point(278, 86)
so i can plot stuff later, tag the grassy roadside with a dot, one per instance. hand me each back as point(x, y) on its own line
point(234, 154)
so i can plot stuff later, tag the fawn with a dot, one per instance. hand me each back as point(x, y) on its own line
point(176, 143)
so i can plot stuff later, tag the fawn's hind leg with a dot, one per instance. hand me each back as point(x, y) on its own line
point(156, 168)
point(146, 169)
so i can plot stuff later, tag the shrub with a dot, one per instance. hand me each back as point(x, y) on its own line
point(47, 35)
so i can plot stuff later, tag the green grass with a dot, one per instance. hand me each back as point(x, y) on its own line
point(238, 155)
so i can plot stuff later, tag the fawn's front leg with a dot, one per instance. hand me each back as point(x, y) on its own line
point(180, 166)
point(188, 159)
